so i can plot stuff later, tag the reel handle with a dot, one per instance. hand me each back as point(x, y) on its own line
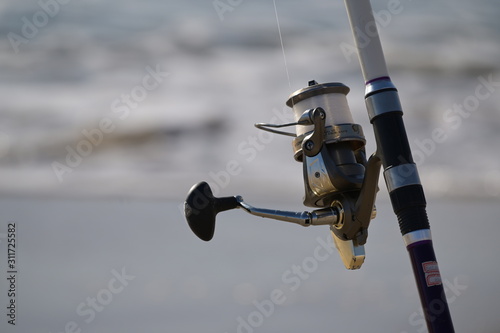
point(201, 207)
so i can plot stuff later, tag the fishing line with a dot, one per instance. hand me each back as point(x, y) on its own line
point(281, 41)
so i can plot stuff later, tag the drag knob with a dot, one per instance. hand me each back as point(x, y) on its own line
point(201, 207)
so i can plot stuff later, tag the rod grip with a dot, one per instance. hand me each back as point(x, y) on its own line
point(409, 205)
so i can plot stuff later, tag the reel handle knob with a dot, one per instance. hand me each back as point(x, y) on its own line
point(201, 207)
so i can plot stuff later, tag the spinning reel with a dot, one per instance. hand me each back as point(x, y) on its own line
point(339, 181)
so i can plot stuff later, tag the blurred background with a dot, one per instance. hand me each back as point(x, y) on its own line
point(112, 110)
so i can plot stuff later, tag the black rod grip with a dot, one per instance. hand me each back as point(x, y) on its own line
point(409, 205)
point(392, 142)
point(393, 148)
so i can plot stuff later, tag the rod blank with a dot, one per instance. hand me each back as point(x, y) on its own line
point(364, 28)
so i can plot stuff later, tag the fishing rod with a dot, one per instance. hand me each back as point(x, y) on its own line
point(339, 181)
point(400, 171)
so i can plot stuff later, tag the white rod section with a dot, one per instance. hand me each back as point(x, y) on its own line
point(364, 29)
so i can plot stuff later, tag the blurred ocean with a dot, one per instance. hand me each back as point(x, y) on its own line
point(65, 68)
point(111, 110)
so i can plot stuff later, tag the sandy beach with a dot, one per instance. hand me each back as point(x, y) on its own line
point(130, 266)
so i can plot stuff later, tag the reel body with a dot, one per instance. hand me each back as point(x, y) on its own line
point(338, 179)
point(332, 149)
